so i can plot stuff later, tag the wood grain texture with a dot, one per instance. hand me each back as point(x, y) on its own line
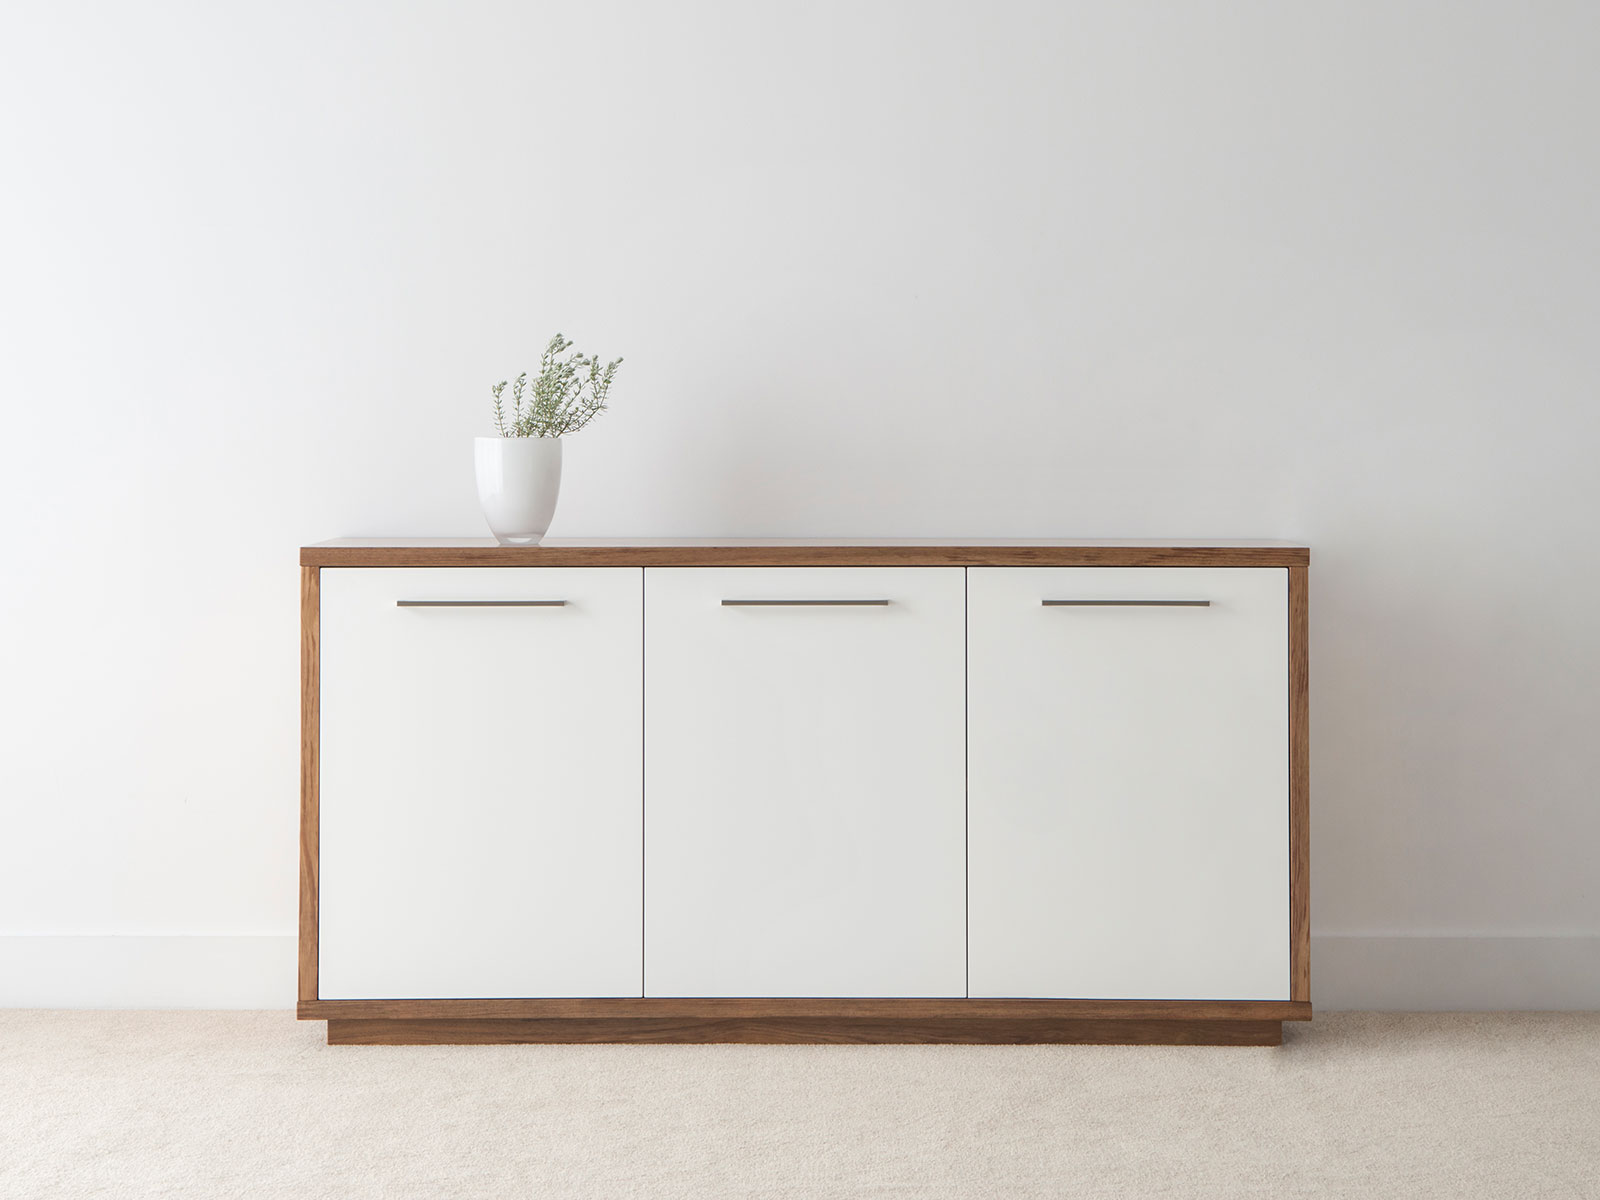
point(857, 1031)
point(473, 552)
point(1299, 787)
point(753, 1008)
point(310, 773)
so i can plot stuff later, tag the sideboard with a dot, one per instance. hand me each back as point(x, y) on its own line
point(793, 791)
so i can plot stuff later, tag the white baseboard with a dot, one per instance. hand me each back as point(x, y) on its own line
point(1455, 974)
point(169, 971)
point(1347, 972)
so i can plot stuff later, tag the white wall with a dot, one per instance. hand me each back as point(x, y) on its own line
point(1321, 271)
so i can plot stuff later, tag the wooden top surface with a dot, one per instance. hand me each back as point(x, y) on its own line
point(771, 552)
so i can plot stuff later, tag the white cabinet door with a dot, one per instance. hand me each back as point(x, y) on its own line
point(1128, 783)
point(804, 826)
point(481, 783)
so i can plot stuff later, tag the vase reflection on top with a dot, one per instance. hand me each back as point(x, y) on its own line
point(519, 481)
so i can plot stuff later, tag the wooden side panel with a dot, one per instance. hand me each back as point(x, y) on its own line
point(310, 746)
point(1299, 787)
point(802, 1030)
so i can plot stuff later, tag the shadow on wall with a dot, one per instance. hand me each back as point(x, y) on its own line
point(769, 466)
point(1441, 686)
point(756, 460)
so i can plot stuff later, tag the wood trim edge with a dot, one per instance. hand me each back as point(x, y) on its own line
point(820, 1008)
point(803, 556)
point(310, 775)
point(1299, 786)
point(311, 1008)
point(855, 1031)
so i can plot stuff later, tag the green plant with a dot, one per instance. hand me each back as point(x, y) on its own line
point(565, 396)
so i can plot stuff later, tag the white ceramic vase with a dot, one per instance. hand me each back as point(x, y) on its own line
point(519, 480)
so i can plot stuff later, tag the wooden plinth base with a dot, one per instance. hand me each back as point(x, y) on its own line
point(825, 1030)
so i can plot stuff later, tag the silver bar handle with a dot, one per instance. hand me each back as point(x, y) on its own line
point(1126, 603)
point(803, 603)
point(480, 603)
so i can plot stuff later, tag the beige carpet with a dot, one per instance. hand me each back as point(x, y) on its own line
point(255, 1105)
